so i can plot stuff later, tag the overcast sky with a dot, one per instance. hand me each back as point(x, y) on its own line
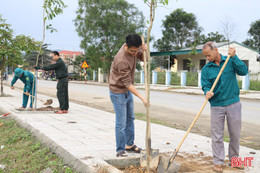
point(25, 16)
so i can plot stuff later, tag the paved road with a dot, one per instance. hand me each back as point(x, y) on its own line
point(176, 101)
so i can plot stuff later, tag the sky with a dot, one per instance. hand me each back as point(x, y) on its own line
point(25, 17)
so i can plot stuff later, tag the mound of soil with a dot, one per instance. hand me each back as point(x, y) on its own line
point(47, 108)
point(189, 163)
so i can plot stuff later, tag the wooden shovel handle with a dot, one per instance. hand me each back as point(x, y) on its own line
point(28, 95)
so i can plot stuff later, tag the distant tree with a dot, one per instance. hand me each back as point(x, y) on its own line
point(228, 28)
point(103, 26)
point(78, 62)
point(11, 48)
point(254, 33)
point(180, 29)
point(212, 36)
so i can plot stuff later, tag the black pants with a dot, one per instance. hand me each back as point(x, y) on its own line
point(62, 93)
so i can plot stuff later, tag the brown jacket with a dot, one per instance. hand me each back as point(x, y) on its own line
point(122, 71)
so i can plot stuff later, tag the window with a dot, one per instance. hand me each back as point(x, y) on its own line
point(186, 63)
point(246, 62)
point(202, 63)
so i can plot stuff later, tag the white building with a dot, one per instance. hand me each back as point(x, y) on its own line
point(186, 61)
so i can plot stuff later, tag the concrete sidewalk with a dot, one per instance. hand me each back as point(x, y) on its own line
point(250, 94)
point(85, 137)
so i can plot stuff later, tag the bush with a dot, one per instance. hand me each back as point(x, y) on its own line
point(175, 79)
point(137, 77)
point(239, 84)
point(254, 85)
point(161, 78)
point(192, 79)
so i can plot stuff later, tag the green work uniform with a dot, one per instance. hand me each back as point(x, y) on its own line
point(62, 86)
point(27, 78)
point(226, 91)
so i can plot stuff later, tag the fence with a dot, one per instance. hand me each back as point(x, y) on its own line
point(185, 78)
point(254, 83)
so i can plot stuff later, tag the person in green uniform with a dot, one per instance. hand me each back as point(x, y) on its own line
point(27, 78)
point(224, 101)
point(62, 85)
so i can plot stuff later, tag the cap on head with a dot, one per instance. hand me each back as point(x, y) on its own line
point(18, 72)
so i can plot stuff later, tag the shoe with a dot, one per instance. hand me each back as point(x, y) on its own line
point(22, 107)
point(65, 111)
point(59, 112)
point(218, 168)
point(121, 154)
point(133, 148)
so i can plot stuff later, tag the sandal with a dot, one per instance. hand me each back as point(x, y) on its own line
point(237, 167)
point(134, 148)
point(121, 154)
point(65, 111)
point(218, 168)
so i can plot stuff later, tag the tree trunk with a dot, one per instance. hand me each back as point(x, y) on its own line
point(108, 74)
point(2, 72)
point(147, 86)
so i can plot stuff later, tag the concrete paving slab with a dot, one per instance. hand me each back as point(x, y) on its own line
point(90, 142)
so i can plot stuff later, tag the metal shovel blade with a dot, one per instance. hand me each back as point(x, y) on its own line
point(154, 159)
point(164, 166)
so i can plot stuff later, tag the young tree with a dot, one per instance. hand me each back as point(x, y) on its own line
point(152, 4)
point(12, 48)
point(254, 33)
point(103, 26)
point(180, 29)
point(51, 8)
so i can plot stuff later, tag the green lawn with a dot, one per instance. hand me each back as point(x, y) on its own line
point(21, 152)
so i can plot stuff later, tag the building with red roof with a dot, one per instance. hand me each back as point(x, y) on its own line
point(69, 56)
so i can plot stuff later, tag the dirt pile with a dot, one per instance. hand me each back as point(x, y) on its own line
point(47, 108)
point(189, 163)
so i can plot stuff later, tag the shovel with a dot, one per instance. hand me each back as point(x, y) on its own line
point(197, 116)
point(149, 157)
point(47, 102)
